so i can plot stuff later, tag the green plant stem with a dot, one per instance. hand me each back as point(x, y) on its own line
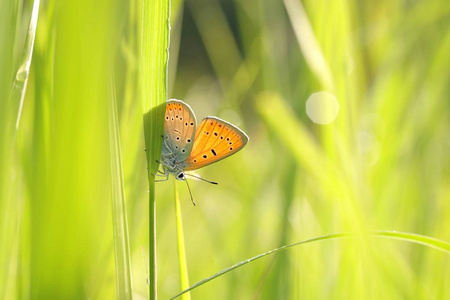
point(152, 280)
point(154, 36)
point(184, 277)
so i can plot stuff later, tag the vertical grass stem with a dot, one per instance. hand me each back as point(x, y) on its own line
point(184, 277)
point(154, 36)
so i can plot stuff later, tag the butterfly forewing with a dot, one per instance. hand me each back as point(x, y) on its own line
point(179, 129)
point(215, 139)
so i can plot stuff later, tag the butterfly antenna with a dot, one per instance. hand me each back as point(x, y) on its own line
point(212, 182)
point(192, 198)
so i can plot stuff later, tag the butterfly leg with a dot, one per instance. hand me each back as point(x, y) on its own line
point(165, 174)
point(161, 174)
point(159, 171)
point(165, 179)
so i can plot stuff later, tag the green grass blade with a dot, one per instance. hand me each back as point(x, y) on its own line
point(416, 239)
point(11, 197)
point(184, 277)
point(244, 262)
point(21, 79)
point(405, 236)
point(299, 140)
point(119, 211)
point(69, 184)
point(153, 84)
point(308, 43)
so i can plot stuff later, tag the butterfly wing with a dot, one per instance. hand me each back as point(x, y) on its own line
point(179, 129)
point(214, 140)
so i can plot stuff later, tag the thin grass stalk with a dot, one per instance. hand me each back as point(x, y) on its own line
point(402, 236)
point(21, 79)
point(154, 37)
point(184, 277)
point(119, 211)
point(11, 202)
point(308, 43)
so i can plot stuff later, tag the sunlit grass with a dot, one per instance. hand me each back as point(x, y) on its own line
point(182, 264)
point(154, 35)
point(118, 204)
point(72, 177)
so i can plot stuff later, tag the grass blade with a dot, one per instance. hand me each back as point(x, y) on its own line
point(11, 199)
point(21, 79)
point(300, 141)
point(153, 84)
point(416, 239)
point(308, 43)
point(119, 212)
point(405, 236)
point(184, 277)
point(69, 227)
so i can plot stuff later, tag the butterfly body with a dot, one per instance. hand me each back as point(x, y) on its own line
point(188, 147)
point(173, 166)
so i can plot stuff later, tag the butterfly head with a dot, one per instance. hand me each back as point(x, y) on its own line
point(180, 176)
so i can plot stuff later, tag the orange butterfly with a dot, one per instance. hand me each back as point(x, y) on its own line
point(214, 140)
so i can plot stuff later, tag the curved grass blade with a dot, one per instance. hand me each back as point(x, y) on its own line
point(416, 239)
point(239, 264)
point(404, 236)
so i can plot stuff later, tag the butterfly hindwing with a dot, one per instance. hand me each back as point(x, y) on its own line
point(179, 129)
point(214, 140)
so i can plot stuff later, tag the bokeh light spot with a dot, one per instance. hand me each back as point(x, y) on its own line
point(322, 108)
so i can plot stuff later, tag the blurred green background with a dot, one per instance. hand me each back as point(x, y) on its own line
point(346, 104)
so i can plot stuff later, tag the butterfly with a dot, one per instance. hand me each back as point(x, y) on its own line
point(187, 147)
